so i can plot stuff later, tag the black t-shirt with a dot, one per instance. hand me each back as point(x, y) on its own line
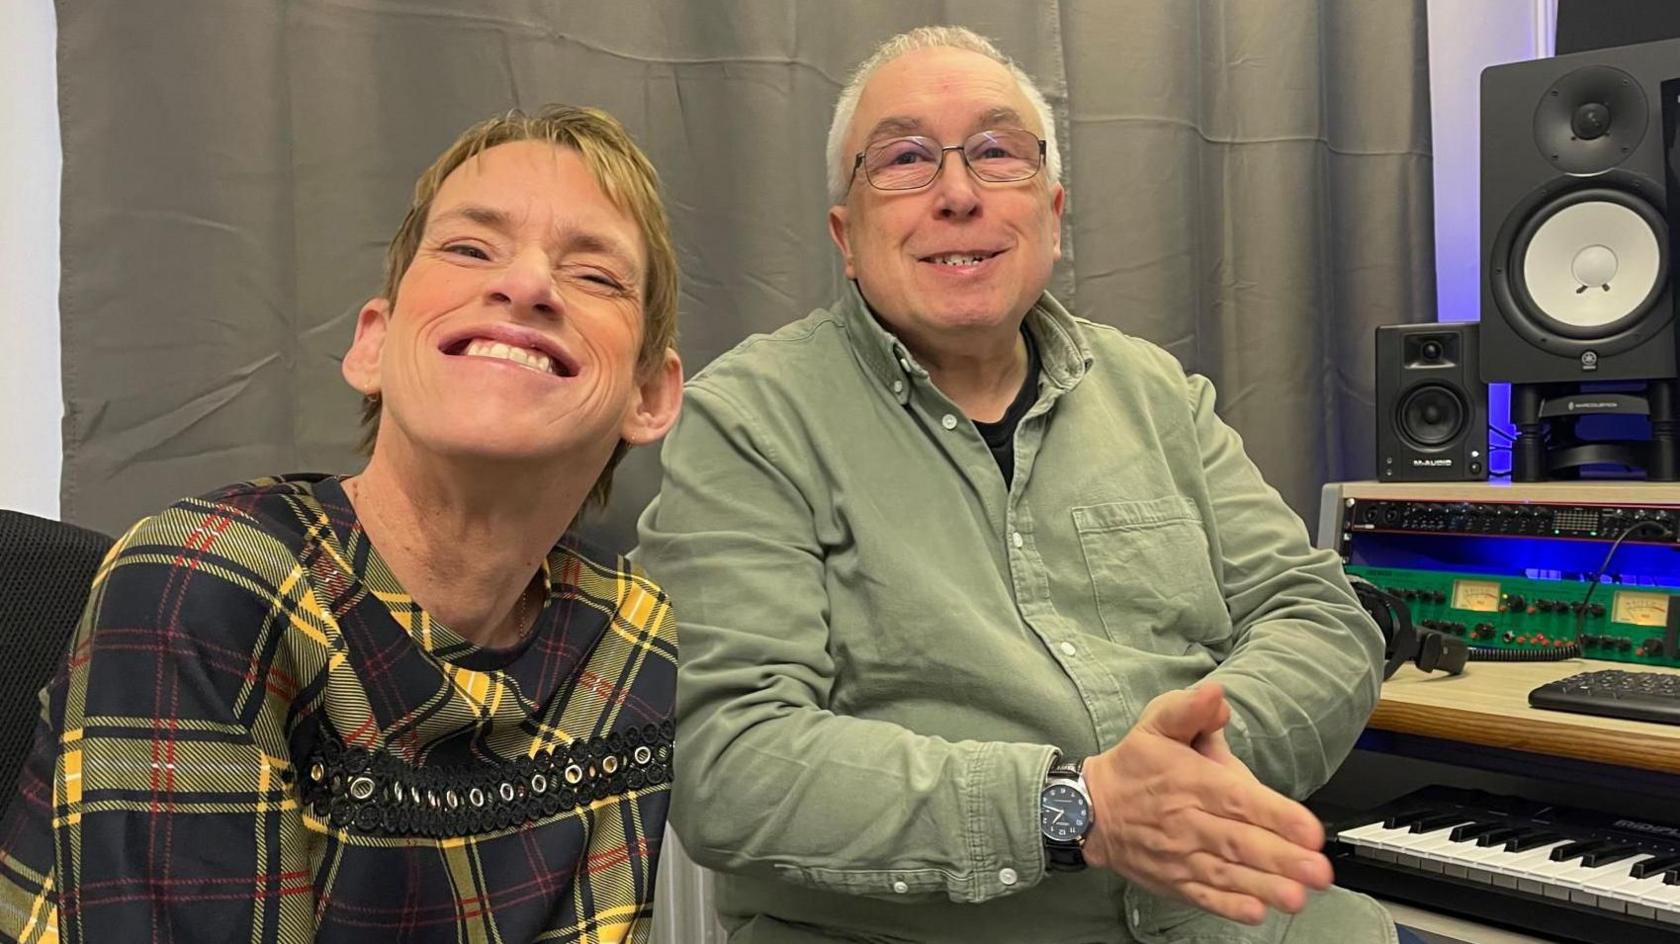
point(1000, 436)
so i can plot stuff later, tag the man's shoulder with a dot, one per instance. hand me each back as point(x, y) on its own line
point(1118, 354)
point(777, 358)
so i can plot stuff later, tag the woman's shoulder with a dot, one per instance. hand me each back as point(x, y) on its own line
point(257, 529)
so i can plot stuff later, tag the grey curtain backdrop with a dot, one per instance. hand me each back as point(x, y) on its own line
point(1249, 185)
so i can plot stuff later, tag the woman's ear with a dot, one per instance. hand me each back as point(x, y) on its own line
point(658, 401)
point(361, 362)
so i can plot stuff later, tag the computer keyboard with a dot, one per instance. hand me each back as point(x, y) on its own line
point(1640, 696)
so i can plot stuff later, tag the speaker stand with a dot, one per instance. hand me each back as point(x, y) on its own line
point(1537, 410)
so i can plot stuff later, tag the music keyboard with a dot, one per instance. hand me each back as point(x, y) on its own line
point(1555, 871)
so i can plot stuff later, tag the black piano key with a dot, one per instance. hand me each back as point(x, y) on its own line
point(1435, 821)
point(1533, 840)
point(1405, 818)
point(1603, 857)
point(1649, 867)
point(1469, 831)
point(1574, 850)
point(1671, 877)
point(1498, 837)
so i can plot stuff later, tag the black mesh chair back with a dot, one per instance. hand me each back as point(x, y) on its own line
point(46, 569)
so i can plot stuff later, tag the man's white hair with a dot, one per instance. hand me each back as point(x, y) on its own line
point(927, 37)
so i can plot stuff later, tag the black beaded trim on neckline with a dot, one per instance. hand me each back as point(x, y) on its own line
point(376, 792)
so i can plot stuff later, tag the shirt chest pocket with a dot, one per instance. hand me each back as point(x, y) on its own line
point(1152, 574)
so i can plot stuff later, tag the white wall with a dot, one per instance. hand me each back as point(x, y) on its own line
point(1466, 36)
point(31, 398)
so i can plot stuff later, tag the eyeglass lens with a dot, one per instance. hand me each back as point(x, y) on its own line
point(997, 155)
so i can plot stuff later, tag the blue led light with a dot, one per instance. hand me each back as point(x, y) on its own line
point(1533, 557)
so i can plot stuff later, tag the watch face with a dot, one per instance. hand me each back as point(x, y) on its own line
point(1063, 814)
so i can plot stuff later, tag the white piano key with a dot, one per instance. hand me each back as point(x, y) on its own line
point(1668, 907)
point(1553, 877)
point(1395, 842)
point(1484, 863)
point(1573, 880)
point(1525, 866)
point(1515, 862)
point(1372, 842)
point(1463, 860)
point(1633, 893)
point(1664, 899)
point(1430, 848)
point(1588, 883)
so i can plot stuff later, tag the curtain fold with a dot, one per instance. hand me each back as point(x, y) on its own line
point(1248, 186)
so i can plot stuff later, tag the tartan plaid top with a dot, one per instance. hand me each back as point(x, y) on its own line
point(259, 736)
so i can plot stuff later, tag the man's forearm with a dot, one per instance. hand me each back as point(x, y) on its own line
point(853, 805)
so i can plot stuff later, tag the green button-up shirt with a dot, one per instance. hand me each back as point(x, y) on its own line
point(884, 641)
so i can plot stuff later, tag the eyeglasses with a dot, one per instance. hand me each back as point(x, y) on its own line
point(999, 156)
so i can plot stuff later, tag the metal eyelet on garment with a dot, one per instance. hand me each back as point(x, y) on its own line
point(378, 792)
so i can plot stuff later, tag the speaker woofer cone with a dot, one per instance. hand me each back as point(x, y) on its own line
point(1431, 416)
point(1590, 263)
point(1621, 197)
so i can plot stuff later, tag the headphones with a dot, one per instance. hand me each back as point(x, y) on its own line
point(1428, 650)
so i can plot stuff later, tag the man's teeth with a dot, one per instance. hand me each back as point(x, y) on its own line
point(959, 258)
point(536, 360)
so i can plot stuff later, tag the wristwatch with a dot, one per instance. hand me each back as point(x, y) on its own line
point(1064, 815)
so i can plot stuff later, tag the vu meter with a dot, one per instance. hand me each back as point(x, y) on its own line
point(1477, 596)
point(1640, 609)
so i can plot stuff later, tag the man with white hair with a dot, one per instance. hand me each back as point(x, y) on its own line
point(991, 630)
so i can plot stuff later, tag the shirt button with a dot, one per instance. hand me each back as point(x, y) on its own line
point(1069, 649)
point(901, 886)
point(948, 421)
point(1008, 877)
point(1015, 538)
point(898, 386)
point(1136, 918)
point(904, 362)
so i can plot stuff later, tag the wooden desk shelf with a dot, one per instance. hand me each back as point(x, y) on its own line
point(1488, 706)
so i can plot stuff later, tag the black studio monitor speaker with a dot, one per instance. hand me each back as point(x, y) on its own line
point(1576, 270)
point(1432, 422)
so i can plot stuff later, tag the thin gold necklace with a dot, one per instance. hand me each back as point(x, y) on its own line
point(519, 607)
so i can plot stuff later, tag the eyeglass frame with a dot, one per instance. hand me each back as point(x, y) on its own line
point(1043, 155)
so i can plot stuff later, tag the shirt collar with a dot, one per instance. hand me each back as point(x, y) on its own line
point(1063, 350)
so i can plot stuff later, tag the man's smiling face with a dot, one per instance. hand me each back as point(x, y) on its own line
point(959, 253)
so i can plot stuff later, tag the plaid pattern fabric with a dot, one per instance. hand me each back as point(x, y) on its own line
point(259, 736)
